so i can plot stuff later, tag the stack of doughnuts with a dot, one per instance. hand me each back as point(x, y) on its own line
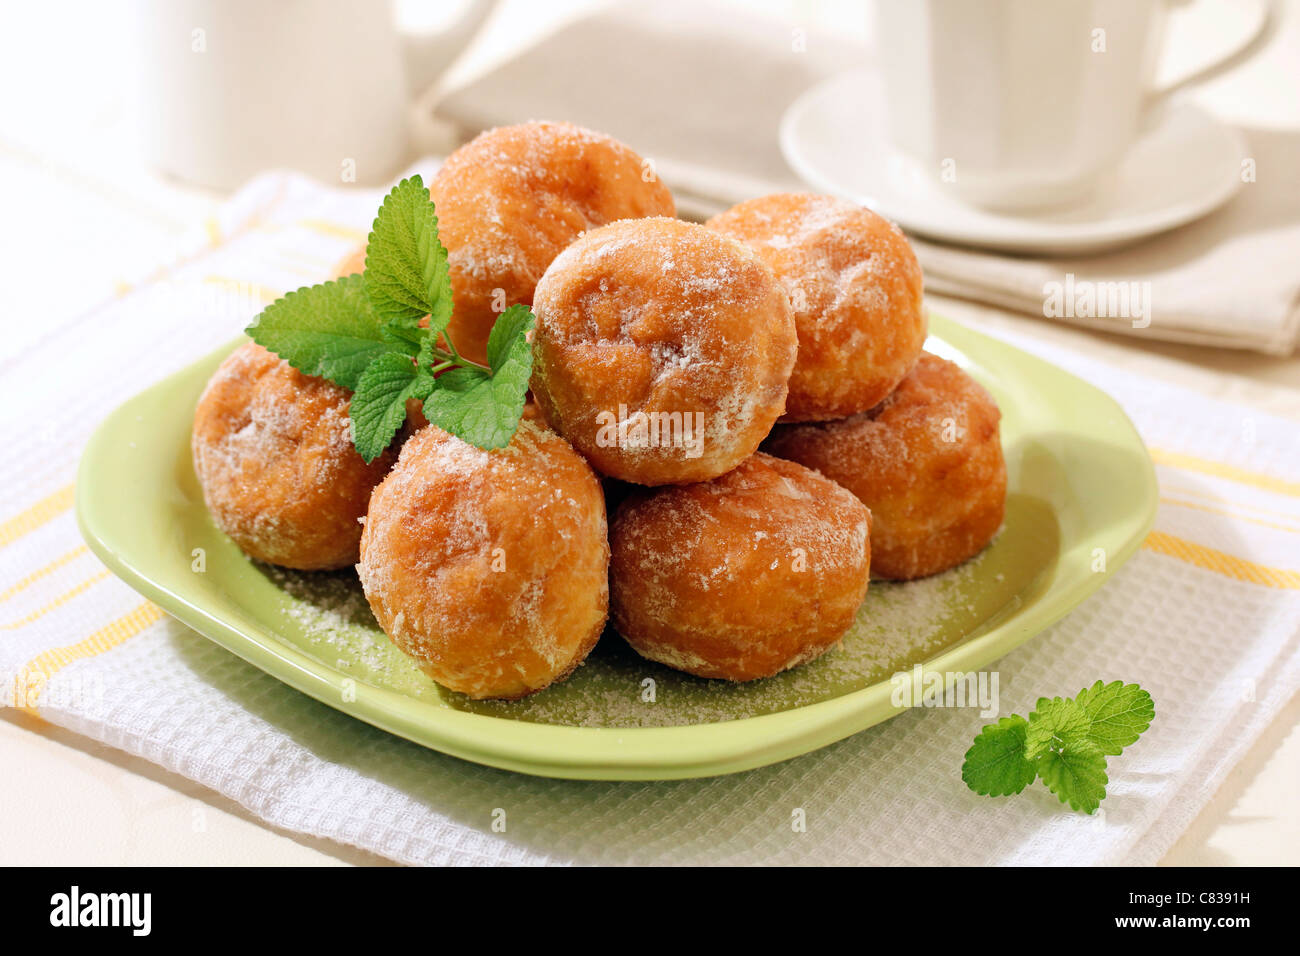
point(666, 354)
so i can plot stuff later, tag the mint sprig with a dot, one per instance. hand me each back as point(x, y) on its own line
point(383, 335)
point(1064, 743)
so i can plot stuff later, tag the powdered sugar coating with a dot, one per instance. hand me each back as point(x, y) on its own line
point(743, 576)
point(856, 291)
point(927, 461)
point(273, 452)
point(661, 318)
point(512, 198)
point(488, 567)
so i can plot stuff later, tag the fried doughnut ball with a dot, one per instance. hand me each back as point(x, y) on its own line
point(353, 262)
point(743, 576)
point(273, 451)
point(512, 199)
point(490, 568)
point(928, 463)
point(855, 287)
point(662, 350)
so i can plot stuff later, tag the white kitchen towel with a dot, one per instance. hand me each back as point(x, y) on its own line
point(1206, 616)
point(701, 90)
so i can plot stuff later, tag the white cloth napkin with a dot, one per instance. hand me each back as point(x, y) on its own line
point(695, 87)
point(701, 90)
point(1206, 616)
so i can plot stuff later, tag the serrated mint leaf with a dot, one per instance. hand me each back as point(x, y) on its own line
point(1055, 724)
point(508, 349)
point(995, 764)
point(483, 407)
point(1076, 773)
point(1118, 713)
point(406, 338)
point(328, 330)
point(406, 264)
point(379, 404)
point(473, 406)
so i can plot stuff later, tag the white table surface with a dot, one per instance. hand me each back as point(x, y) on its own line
point(71, 181)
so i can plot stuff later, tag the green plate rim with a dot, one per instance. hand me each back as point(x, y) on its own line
point(650, 753)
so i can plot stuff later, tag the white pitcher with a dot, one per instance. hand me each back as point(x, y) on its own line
point(233, 87)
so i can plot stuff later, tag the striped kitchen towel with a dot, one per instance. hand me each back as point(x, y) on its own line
point(1206, 616)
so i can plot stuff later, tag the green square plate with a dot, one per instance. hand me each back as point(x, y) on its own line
point(1081, 486)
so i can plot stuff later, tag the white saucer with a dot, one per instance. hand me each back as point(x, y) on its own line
point(1184, 166)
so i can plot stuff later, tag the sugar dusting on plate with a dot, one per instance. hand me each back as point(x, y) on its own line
point(331, 611)
point(898, 624)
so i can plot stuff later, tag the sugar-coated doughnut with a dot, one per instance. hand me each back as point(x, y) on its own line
point(928, 463)
point(855, 288)
point(743, 576)
point(273, 453)
point(490, 568)
point(512, 199)
point(662, 350)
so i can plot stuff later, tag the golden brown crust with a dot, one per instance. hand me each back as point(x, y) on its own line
point(273, 452)
point(743, 576)
point(855, 288)
point(489, 568)
point(928, 463)
point(667, 320)
point(513, 198)
point(353, 263)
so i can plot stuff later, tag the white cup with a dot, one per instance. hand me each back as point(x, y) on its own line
point(232, 87)
point(1018, 104)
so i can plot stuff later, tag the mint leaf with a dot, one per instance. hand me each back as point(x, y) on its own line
point(328, 330)
point(995, 764)
point(1076, 773)
point(1054, 725)
point(408, 339)
point(406, 272)
point(379, 405)
point(481, 406)
point(1118, 712)
point(508, 350)
point(1073, 767)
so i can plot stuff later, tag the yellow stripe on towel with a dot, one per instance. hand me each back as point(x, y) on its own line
point(1221, 470)
point(32, 679)
point(44, 510)
point(1196, 506)
point(265, 294)
point(39, 573)
point(58, 602)
point(1221, 563)
point(1290, 513)
point(334, 229)
point(213, 228)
